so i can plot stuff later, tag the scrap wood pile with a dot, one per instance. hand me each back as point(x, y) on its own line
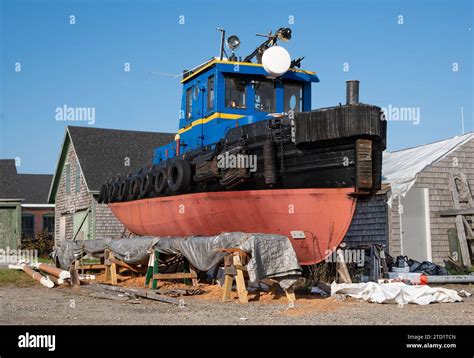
point(50, 277)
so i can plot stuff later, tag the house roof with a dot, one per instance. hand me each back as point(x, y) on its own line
point(8, 187)
point(30, 188)
point(400, 168)
point(35, 187)
point(103, 153)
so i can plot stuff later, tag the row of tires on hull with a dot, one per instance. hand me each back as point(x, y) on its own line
point(159, 180)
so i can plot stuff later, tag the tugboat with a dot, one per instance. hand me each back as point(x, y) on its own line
point(251, 155)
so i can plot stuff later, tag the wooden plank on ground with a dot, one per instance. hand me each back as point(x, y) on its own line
point(171, 276)
point(92, 267)
point(125, 265)
point(139, 293)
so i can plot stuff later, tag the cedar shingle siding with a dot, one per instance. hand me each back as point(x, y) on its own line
point(69, 201)
point(436, 178)
point(88, 157)
point(369, 224)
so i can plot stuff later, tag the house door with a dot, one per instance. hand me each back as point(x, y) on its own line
point(415, 224)
point(81, 225)
point(62, 228)
point(9, 228)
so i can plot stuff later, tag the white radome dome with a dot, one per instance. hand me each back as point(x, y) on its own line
point(276, 60)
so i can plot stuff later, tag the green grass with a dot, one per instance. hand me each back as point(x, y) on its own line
point(15, 277)
point(45, 261)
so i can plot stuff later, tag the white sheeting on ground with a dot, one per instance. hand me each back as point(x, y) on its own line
point(400, 168)
point(395, 292)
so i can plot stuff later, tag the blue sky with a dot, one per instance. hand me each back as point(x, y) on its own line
point(406, 65)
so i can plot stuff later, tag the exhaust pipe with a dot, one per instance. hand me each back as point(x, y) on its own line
point(352, 92)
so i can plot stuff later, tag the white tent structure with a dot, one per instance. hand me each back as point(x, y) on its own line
point(400, 168)
point(423, 184)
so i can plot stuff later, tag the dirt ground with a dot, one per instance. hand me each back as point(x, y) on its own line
point(64, 305)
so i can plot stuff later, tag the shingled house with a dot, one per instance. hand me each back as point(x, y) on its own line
point(428, 183)
point(24, 208)
point(88, 157)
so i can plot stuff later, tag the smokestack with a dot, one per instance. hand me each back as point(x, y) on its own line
point(352, 92)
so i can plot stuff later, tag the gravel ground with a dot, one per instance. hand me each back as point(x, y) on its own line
point(62, 306)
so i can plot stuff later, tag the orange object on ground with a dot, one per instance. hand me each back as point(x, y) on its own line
point(423, 280)
point(56, 272)
point(318, 218)
point(45, 281)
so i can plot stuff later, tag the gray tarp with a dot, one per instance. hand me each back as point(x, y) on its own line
point(271, 256)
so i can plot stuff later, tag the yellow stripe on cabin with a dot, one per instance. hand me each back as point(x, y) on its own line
point(208, 119)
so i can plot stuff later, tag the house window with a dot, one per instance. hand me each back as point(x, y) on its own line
point(210, 92)
point(48, 223)
point(189, 102)
point(264, 96)
point(78, 178)
point(293, 97)
point(27, 226)
point(235, 92)
point(67, 169)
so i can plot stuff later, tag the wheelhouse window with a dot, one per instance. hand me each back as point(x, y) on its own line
point(210, 93)
point(189, 102)
point(48, 223)
point(264, 96)
point(235, 93)
point(27, 226)
point(293, 97)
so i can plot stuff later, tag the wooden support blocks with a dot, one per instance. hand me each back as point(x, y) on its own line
point(239, 279)
point(110, 268)
point(234, 269)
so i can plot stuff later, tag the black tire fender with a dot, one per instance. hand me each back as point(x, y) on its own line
point(112, 192)
point(146, 184)
point(179, 176)
point(124, 186)
point(160, 182)
point(103, 194)
point(135, 184)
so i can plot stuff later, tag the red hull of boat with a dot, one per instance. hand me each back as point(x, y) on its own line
point(324, 215)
